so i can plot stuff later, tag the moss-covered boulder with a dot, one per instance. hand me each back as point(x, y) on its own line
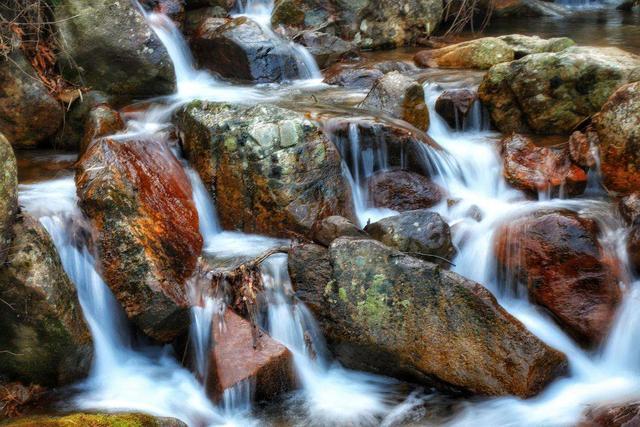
point(95, 420)
point(107, 45)
point(551, 93)
point(8, 194)
point(526, 45)
point(481, 53)
point(394, 314)
point(271, 170)
point(44, 339)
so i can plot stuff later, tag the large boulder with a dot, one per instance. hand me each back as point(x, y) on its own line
point(540, 170)
point(420, 233)
point(480, 53)
point(401, 97)
point(44, 339)
point(107, 45)
point(557, 258)
point(271, 169)
point(393, 314)
point(139, 199)
point(402, 190)
point(29, 115)
point(8, 194)
point(551, 93)
point(96, 420)
point(618, 129)
point(241, 49)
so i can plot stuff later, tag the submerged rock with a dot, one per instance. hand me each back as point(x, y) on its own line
point(481, 53)
point(97, 420)
point(393, 314)
point(271, 169)
point(536, 170)
point(29, 115)
point(454, 106)
point(44, 336)
point(401, 191)
point(140, 201)
point(551, 93)
point(242, 352)
point(401, 97)
point(107, 45)
point(557, 257)
point(8, 195)
point(420, 233)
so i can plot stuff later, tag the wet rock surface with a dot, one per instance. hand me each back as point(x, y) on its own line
point(612, 416)
point(480, 54)
point(8, 194)
point(333, 227)
point(139, 200)
point(352, 77)
point(102, 121)
point(454, 106)
point(327, 49)
point(403, 191)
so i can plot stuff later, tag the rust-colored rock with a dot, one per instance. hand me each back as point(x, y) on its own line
point(540, 169)
point(140, 201)
point(556, 256)
point(630, 207)
point(403, 191)
point(236, 357)
point(580, 148)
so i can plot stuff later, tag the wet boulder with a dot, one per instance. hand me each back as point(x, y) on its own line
point(536, 170)
point(243, 50)
point(390, 313)
point(552, 93)
point(8, 195)
point(44, 339)
point(333, 227)
point(401, 97)
point(96, 420)
point(618, 129)
point(108, 46)
point(29, 115)
point(271, 169)
point(480, 53)
point(557, 258)
point(420, 233)
point(454, 105)
point(139, 199)
point(402, 190)
point(327, 49)
point(625, 415)
point(244, 353)
point(581, 148)
point(102, 121)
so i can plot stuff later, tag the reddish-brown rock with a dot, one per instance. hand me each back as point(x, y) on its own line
point(557, 257)
point(101, 121)
point(403, 191)
point(630, 207)
point(633, 246)
point(236, 357)
point(535, 169)
point(140, 201)
point(580, 148)
point(454, 105)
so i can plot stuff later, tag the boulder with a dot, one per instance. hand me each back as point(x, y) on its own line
point(8, 195)
point(393, 314)
point(327, 49)
point(333, 227)
point(552, 93)
point(581, 147)
point(44, 336)
point(629, 207)
point(557, 258)
point(102, 121)
point(96, 420)
point(528, 45)
point(108, 46)
point(480, 53)
point(420, 233)
point(237, 356)
point(400, 97)
point(454, 105)
point(29, 115)
point(139, 199)
point(402, 190)
point(310, 270)
point(537, 170)
point(627, 415)
point(271, 169)
point(618, 128)
point(352, 77)
point(241, 49)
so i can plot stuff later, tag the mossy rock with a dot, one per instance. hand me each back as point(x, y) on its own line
point(95, 420)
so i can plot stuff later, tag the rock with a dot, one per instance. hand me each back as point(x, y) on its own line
point(480, 53)
point(400, 97)
point(101, 121)
point(333, 227)
point(174, 9)
point(327, 49)
point(240, 49)
point(556, 256)
point(274, 171)
point(234, 358)
point(391, 65)
point(108, 46)
point(44, 336)
point(528, 45)
point(551, 93)
point(29, 115)
point(628, 5)
point(618, 128)
point(627, 415)
point(454, 105)
point(310, 268)
point(8, 195)
point(630, 208)
point(140, 202)
point(393, 314)
point(633, 246)
point(77, 112)
point(402, 191)
point(537, 170)
point(225, 5)
point(353, 78)
point(581, 146)
point(194, 19)
point(528, 8)
point(97, 420)
point(420, 233)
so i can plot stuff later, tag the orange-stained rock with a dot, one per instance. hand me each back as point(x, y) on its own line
point(236, 357)
point(101, 121)
point(535, 169)
point(140, 201)
point(556, 256)
point(580, 148)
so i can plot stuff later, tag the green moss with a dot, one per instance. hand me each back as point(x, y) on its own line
point(342, 294)
point(95, 420)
